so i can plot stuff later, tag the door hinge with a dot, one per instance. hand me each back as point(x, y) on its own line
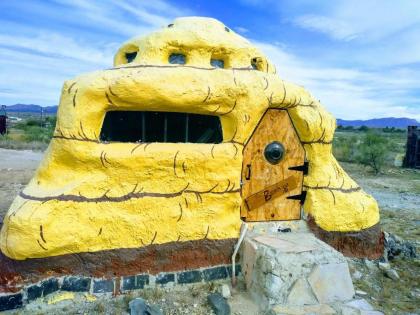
point(301, 168)
point(301, 197)
point(248, 172)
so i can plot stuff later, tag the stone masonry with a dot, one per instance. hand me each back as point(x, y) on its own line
point(294, 268)
point(289, 271)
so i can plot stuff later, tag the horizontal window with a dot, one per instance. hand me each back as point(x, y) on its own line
point(136, 126)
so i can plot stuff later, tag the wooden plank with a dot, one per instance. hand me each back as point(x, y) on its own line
point(272, 192)
point(258, 174)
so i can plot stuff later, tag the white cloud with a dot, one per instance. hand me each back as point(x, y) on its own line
point(337, 29)
point(36, 61)
point(58, 46)
point(371, 69)
point(366, 20)
point(241, 29)
point(350, 93)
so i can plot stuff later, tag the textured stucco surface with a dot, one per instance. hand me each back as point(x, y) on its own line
point(89, 196)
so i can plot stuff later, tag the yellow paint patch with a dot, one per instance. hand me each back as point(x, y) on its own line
point(89, 196)
point(90, 297)
point(63, 296)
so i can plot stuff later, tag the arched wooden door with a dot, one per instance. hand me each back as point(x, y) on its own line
point(272, 171)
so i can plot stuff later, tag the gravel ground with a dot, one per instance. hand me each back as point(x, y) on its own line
point(182, 300)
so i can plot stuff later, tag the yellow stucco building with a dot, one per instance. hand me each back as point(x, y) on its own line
point(190, 133)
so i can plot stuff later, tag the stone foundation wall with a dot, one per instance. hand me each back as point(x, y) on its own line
point(115, 285)
point(152, 259)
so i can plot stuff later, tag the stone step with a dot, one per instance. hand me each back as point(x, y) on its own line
point(296, 273)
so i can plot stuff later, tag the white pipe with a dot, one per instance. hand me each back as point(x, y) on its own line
point(244, 228)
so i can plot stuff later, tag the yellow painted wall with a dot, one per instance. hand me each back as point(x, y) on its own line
point(91, 196)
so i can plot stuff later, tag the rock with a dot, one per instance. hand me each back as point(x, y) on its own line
point(153, 310)
point(138, 306)
point(370, 264)
point(384, 266)
point(273, 285)
point(357, 275)
point(274, 263)
point(358, 307)
point(319, 309)
point(360, 304)
point(398, 239)
point(345, 310)
point(301, 294)
point(415, 293)
point(331, 282)
point(225, 291)
point(218, 304)
point(392, 274)
point(395, 245)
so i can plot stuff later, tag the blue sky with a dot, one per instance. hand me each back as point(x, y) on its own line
point(361, 58)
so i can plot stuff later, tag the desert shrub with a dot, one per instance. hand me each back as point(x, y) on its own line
point(393, 130)
point(9, 143)
point(363, 128)
point(372, 151)
point(345, 148)
point(36, 133)
point(35, 129)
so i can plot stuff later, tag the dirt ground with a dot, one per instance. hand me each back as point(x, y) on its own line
point(396, 190)
point(398, 194)
point(16, 169)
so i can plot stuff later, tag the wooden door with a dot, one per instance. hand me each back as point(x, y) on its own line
point(271, 183)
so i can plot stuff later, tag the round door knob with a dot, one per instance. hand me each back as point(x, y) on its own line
point(274, 152)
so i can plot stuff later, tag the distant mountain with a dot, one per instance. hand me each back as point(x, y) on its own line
point(372, 123)
point(30, 108)
point(380, 122)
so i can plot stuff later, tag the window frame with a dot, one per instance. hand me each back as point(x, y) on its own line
point(189, 123)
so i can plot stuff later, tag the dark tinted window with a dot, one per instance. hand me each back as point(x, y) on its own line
point(217, 63)
point(178, 59)
point(130, 56)
point(134, 126)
